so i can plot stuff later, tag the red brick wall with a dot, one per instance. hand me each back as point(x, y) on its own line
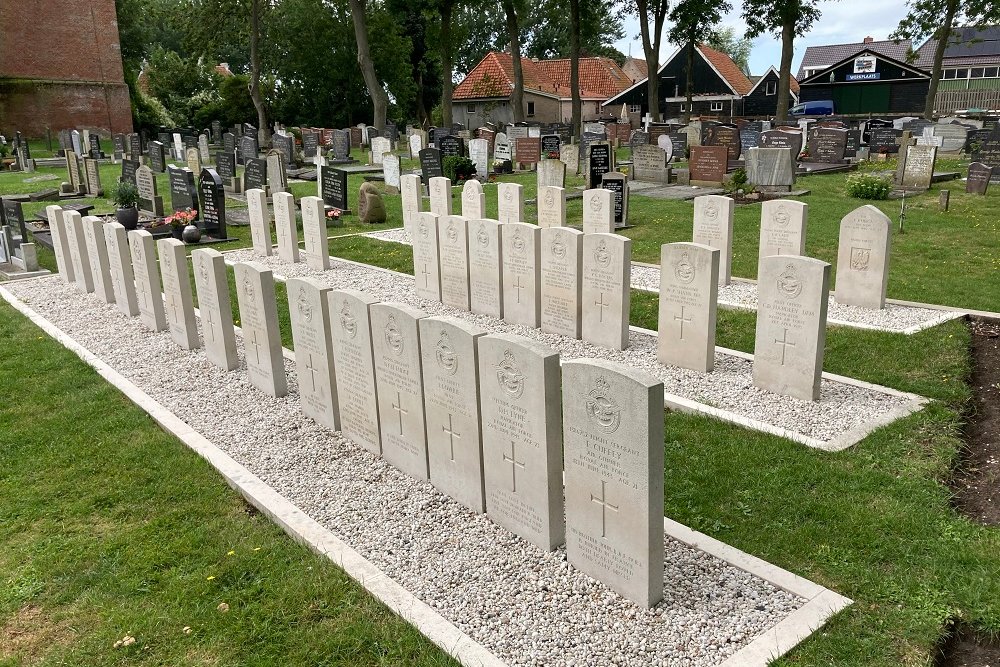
point(61, 67)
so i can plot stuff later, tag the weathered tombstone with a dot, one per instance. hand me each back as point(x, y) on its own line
point(391, 172)
point(770, 169)
point(380, 146)
point(918, 171)
point(73, 229)
point(430, 165)
point(225, 164)
point(135, 146)
point(617, 183)
point(440, 195)
point(181, 322)
point(97, 255)
point(255, 175)
point(277, 177)
point(193, 158)
point(863, 258)
point(284, 144)
point(612, 437)
point(157, 157)
point(569, 155)
point(94, 188)
point(485, 267)
point(284, 226)
point(74, 184)
point(473, 200)
point(426, 258)
point(952, 136)
point(560, 284)
point(709, 165)
point(399, 386)
point(249, 148)
point(351, 336)
point(451, 403)
point(750, 135)
point(411, 200)
point(183, 192)
point(317, 251)
point(728, 136)
point(598, 211)
point(605, 290)
point(147, 279)
point(261, 334)
point(649, 164)
point(60, 243)
point(260, 222)
point(415, 142)
point(510, 202)
point(828, 145)
point(453, 252)
point(215, 308)
point(713, 227)
point(371, 207)
point(791, 326)
point(520, 243)
point(129, 168)
point(229, 143)
point(978, 181)
point(310, 143)
point(600, 161)
point(502, 149)
point(333, 188)
point(119, 148)
point(479, 153)
point(178, 147)
point(309, 313)
point(149, 201)
point(782, 229)
point(120, 265)
point(551, 204)
point(203, 151)
point(94, 147)
point(213, 204)
point(12, 213)
point(77, 142)
point(689, 282)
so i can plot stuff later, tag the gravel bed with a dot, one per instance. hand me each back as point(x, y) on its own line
point(527, 606)
point(841, 408)
point(893, 318)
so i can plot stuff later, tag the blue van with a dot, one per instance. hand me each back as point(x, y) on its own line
point(816, 108)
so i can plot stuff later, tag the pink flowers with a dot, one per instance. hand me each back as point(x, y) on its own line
point(334, 213)
point(181, 218)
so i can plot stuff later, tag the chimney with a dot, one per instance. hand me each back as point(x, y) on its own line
point(868, 40)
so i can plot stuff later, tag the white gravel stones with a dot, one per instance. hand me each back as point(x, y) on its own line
point(527, 606)
point(741, 295)
point(840, 409)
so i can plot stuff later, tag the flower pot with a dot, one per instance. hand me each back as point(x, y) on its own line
point(177, 232)
point(191, 234)
point(128, 217)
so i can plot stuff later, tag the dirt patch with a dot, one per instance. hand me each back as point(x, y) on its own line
point(977, 482)
point(963, 650)
point(30, 634)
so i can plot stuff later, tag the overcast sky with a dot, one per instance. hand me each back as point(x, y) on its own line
point(841, 22)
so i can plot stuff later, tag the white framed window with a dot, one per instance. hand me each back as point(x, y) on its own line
point(771, 88)
point(948, 74)
point(636, 108)
point(471, 108)
point(716, 106)
point(531, 108)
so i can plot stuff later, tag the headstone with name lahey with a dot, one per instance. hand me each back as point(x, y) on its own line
point(510, 202)
point(863, 258)
point(520, 243)
point(793, 296)
point(181, 322)
point(551, 204)
point(310, 317)
point(485, 267)
point(147, 279)
point(689, 283)
point(317, 250)
point(713, 226)
point(612, 437)
point(561, 255)
point(285, 228)
point(215, 308)
point(453, 255)
point(782, 229)
point(261, 333)
point(426, 258)
point(120, 263)
point(260, 222)
point(473, 200)
point(605, 290)
point(351, 338)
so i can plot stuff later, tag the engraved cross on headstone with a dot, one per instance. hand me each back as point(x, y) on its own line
point(425, 273)
point(312, 372)
point(209, 322)
point(398, 407)
point(173, 308)
point(605, 506)
point(452, 434)
point(256, 345)
point(600, 302)
point(518, 286)
point(514, 465)
point(682, 320)
point(785, 344)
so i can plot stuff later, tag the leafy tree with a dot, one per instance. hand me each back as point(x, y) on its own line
point(785, 18)
point(737, 48)
point(182, 85)
point(694, 22)
point(938, 19)
point(655, 12)
point(547, 32)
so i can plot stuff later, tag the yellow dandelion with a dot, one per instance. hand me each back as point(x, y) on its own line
point(210, 578)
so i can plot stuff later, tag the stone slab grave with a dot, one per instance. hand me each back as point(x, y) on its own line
point(649, 164)
point(521, 278)
point(147, 280)
point(791, 326)
point(522, 437)
point(277, 174)
point(479, 153)
point(689, 287)
point(918, 170)
point(569, 154)
point(708, 165)
point(598, 211)
point(100, 263)
point(332, 187)
point(120, 265)
point(605, 290)
point(181, 322)
point(485, 268)
point(150, 201)
point(978, 181)
point(351, 344)
point(440, 195)
point(77, 243)
point(309, 313)
point(391, 172)
point(782, 229)
point(426, 257)
point(453, 258)
point(60, 243)
point(771, 169)
point(551, 204)
point(863, 258)
point(612, 435)
point(449, 365)
point(215, 308)
point(551, 173)
point(560, 280)
point(399, 386)
point(317, 250)
point(285, 228)
point(713, 226)
point(259, 321)
point(473, 200)
point(510, 202)
point(260, 222)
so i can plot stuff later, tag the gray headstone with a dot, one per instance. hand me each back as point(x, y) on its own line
point(520, 243)
point(120, 262)
point(782, 229)
point(284, 226)
point(260, 222)
point(918, 171)
point(211, 277)
point(100, 265)
point(551, 205)
point(561, 268)
point(689, 283)
point(485, 268)
point(770, 168)
point(179, 306)
point(863, 258)
point(147, 279)
point(261, 335)
point(598, 211)
point(453, 250)
point(440, 192)
point(351, 336)
point(73, 229)
point(713, 226)
point(409, 187)
point(605, 290)
point(426, 258)
point(60, 244)
point(309, 312)
point(551, 173)
point(649, 164)
point(314, 230)
point(510, 202)
point(473, 200)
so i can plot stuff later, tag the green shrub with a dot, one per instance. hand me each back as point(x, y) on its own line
point(148, 113)
point(868, 186)
point(458, 168)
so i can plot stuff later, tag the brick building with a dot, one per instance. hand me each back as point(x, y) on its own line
point(61, 67)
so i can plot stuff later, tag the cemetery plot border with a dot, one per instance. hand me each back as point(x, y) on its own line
point(802, 605)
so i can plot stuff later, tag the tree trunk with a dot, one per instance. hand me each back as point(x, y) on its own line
point(943, 34)
point(514, 35)
point(263, 131)
point(689, 83)
point(447, 85)
point(785, 71)
point(574, 66)
point(652, 80)
point(380, 100)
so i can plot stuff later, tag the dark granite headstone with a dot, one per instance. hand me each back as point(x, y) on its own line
point(550, 146)
point(874, 124)
point(310, 143)
point(451, 145)
point(190, 141)
point(135, 146)
point(853, 143)
point(430, 164)
point(340, 144)
point(638, 138)
point(285, 144)
point(94, 150)
point(828, 145)
point(680, 144)
point(13, 215)
point(617, 186)
point(157, 158)
point(391, 132)
point(884, 140)
point(248, 148)
point(183, 192)
point(355, 133)
point(225, 164)
point(333, 184)
point(118, 142)
point(750, 135)
point(128, 170)
point(229, 142)
point(255, 174)
point(979, 178)
point(600, 162)
point(782, 139)
point(989, 152)
point(974, 139)
point(213, 204)
point(216, 131)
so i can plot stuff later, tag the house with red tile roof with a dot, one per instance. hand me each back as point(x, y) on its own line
point(483, 96)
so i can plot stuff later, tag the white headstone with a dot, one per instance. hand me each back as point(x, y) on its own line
point(479, 153)
point(261, 335)
point(451, 402)
point(100, 265)
point(120, 261)
point(179, 308)
point(260, 222)
point(351, 336)
point(561, 267)
point(391, 172)
point(440, 191)
point(215, 308)
point(782, 229)
point(863, 258)
point(551, 204)
point(613, 442)
point(426, 258)
point(400, 389)
point(73, 230)
point(689, 286)
point(380, 146)
point(60, 244)
point(453, 249)
point(520, 247)
point(284, 225)
point(485, 268)
point(606, 290)
point(179, 147)
point(510, 202)
point(147, 279)
point(713, 226)
point(314, 230)
point(416, 145)
point(598, 211)
point(793, 295)
point(473, 200)
point(308, 310)
point(551, 173)
point(409, 187)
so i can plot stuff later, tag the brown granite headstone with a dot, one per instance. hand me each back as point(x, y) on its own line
point(709, 165)
point(979, 178)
